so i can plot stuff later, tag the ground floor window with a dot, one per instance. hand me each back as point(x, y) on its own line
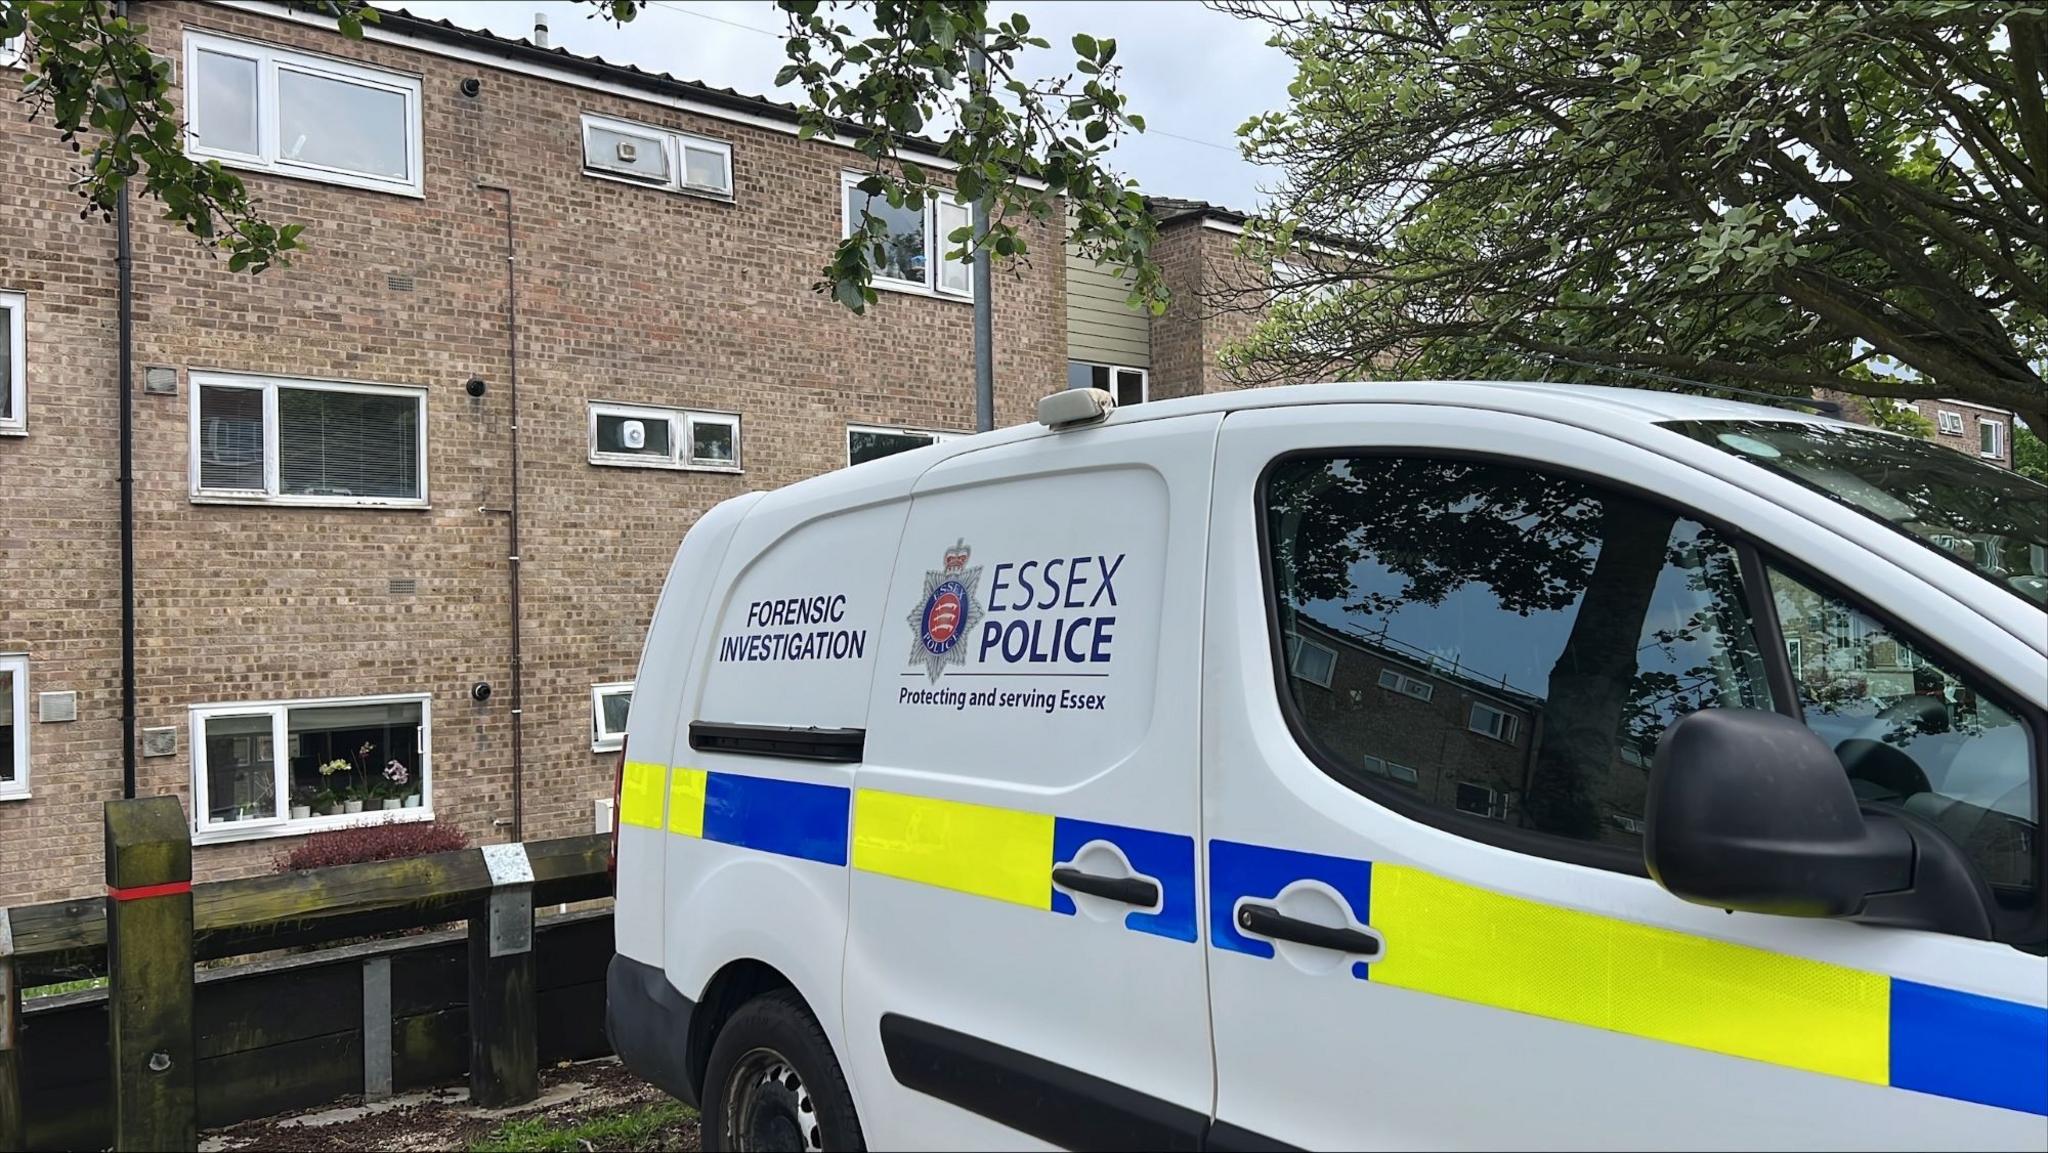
point(609, 705)
point(1127, 385)
point(13, 725)
point(866, 442)
point(299, 766)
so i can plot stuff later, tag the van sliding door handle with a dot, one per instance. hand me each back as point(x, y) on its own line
point(1267, 921)
point(1130, 890)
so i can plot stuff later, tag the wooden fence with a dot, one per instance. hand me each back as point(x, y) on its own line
point(163, 1050)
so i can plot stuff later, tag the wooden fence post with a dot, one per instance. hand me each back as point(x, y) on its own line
point(504, 1043)
point(149, 974)
point(13, 1126)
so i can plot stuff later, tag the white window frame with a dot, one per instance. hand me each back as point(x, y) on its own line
point(1949, 422)
point(935, 243)
point(10, 53)
point(1510, 727)
point(682, 424)
point(603, 740)
point(272, 483)
point(1294, 661)
point(1405, 774)
point(937, 436)
point(16, 306)
point(1144, 376)
point(269, 60)
point(1997, 438)
point(1496, 801)
point(281, 824)
point(1406, 685)
point(674, 145)
point(17, 664)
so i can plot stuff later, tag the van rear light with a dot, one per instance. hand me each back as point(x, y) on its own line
point(611, 865)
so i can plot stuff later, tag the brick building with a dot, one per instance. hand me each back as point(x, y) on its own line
point(323, 453)
point(1981, 431)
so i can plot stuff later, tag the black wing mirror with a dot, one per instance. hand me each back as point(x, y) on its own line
point(1751, 810)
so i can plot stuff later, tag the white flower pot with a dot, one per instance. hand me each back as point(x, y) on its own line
point(412, 801)
point(392, 802)
point(301, 812)
point(351, 806)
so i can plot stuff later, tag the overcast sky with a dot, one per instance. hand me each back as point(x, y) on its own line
point(1192, 73)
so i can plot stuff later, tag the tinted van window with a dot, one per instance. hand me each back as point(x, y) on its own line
point(1503, 644)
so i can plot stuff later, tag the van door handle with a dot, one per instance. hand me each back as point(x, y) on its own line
point(1267, 921)
point(1130, 890)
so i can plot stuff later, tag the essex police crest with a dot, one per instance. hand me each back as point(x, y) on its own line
point(945, 613)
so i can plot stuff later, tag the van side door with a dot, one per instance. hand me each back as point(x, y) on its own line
point(1022, 964)
point(1441, 647)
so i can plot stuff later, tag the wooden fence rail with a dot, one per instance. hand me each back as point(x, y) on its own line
point(247, 1040)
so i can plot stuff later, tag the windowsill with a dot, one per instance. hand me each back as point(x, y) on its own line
point(905, 288)
point(607, 746)
point(23, 795)
point(309, 175)
point(13, 430)
point(311, 502)
point(229, 834)
point(667, 466)
point(672, 190)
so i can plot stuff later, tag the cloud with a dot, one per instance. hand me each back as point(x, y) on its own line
point(1192, 73)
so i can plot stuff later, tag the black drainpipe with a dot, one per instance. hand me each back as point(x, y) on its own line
point(512, 519)
point(124, 263)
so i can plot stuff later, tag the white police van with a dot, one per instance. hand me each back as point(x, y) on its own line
point(1356, 766)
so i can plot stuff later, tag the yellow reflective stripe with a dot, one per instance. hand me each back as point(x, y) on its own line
point(1002, 854)
point(640, 794)
point(686, 802)
point(1454, 940)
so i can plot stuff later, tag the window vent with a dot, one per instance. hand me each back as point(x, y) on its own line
point(399, 282)
point(160, 380)
point(61, 706)
point(160, 742)
point(404, 586)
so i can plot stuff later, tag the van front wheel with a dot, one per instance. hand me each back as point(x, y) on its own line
point(772, 1084)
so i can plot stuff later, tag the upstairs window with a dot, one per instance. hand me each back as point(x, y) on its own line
point(254, 106)
point(1489, 721)
point(609, 706)
point(13, 726)
point(307, 442)
point(10, 52)
point(644, 436)
point(909, 243)
point(1990, 438)
point(1406, 685)
point(656, 157)
point(1951, 422)
point(865, 443)
point(13, 363)
point(1127, 385)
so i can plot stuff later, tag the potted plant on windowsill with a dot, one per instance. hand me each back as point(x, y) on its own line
point(342, 791)
point(303, 799)
point(392, 790)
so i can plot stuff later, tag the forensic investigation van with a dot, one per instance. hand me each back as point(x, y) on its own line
point(1351, 766)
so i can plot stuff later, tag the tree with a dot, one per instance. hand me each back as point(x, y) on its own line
point(1896, 417)
point(1788, 196)
point(2029, 454)
point(1026, 146)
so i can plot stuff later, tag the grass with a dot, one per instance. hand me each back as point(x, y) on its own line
point(65, 987)
point(648, 1128)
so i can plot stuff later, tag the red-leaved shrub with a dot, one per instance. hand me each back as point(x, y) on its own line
point(374, 843)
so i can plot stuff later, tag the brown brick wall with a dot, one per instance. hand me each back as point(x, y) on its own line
point(1970, 439)
point(1216, 299)
point(625, 294)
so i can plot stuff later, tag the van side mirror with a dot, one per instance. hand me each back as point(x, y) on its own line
point(1751, 810)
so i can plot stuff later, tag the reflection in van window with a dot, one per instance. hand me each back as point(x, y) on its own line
point(1916, 736)
point(1516, 641)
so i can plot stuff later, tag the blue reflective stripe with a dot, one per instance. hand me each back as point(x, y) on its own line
point(793, 818)
point(1170, 857)
point(1238, 870)
point(1955, 1044)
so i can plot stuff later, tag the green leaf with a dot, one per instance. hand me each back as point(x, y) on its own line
point(1084, 46)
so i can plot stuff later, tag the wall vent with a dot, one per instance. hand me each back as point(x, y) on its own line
point(399, 282)
point(160, 742)
point(59, 706)
point(404, 586)
point(160, 380)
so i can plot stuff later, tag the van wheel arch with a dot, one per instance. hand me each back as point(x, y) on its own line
point(731, 987)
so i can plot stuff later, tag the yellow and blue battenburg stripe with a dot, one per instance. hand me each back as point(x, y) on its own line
point(1444, 937)
point(1455, 940)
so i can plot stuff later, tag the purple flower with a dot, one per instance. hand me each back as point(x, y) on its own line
point(396, 773)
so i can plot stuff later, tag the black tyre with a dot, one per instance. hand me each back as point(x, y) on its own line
point(772, 1084)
